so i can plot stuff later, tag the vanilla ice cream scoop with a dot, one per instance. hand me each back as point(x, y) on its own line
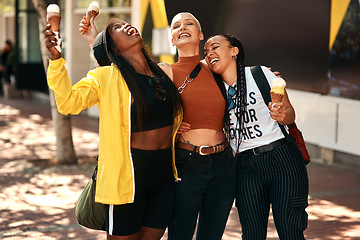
point(94, 6)
point(53, 8)
point(278, 85)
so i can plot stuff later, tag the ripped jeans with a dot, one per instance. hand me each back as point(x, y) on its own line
point(277, 178)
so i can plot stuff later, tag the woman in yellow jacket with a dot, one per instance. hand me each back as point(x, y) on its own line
point(140, 111)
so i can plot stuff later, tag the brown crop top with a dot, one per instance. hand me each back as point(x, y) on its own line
point(203, 103)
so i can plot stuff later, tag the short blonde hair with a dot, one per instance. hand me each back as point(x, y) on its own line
point(182, 13)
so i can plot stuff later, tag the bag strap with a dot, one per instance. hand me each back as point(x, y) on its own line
point(190, 78)
point(262, 83)
point(264, 88)
point(195, 71)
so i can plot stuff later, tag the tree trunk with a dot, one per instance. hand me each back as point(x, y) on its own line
point(65, 152)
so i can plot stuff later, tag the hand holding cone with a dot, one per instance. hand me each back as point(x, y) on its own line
point(54, 18)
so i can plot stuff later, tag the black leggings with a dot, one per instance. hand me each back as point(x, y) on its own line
point(154, 195)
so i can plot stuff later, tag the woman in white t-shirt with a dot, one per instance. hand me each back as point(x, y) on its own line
point(270, 169)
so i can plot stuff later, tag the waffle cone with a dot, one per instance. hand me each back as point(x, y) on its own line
point(54, 20)
point(276, 97)
point(90, 14)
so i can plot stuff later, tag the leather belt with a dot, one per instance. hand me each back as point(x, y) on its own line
point(264, 148)
point(203, 150)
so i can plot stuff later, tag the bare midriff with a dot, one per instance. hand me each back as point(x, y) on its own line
point(203, 104)
point(152, 139)
point(202, 137)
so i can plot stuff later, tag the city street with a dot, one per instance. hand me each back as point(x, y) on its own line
point(38, 197)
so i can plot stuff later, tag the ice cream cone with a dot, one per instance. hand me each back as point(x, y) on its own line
point(93, 11)
point(277, 90)
point(53, 17)
point(54, 20)
point(276, 97)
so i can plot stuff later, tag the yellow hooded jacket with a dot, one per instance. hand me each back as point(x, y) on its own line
point(106, 87)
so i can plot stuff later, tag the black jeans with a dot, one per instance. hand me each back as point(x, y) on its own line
point(207, 190)
point(277, 178)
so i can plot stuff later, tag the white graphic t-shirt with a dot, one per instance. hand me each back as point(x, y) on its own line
point(259, 128)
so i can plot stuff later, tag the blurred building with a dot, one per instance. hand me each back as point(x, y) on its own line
point(314, 44)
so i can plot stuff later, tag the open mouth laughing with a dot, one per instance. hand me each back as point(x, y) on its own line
point(130, 31)
point(184, 35)
point(213, 61)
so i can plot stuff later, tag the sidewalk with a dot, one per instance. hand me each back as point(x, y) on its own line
point(37, 197)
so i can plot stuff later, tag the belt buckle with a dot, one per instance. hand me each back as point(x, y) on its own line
point(200, 150)
point(256, 154)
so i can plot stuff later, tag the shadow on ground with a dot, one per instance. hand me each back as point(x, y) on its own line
point(38, 197)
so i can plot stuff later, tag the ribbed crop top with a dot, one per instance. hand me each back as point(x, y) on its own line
point(203, 103)
point(158, 113)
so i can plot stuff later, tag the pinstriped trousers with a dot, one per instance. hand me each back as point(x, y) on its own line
point(277, 178)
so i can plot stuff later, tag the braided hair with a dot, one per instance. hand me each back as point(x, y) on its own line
point(240, 100)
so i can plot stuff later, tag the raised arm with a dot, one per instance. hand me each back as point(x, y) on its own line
point(89, 32)
point(69, 99)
